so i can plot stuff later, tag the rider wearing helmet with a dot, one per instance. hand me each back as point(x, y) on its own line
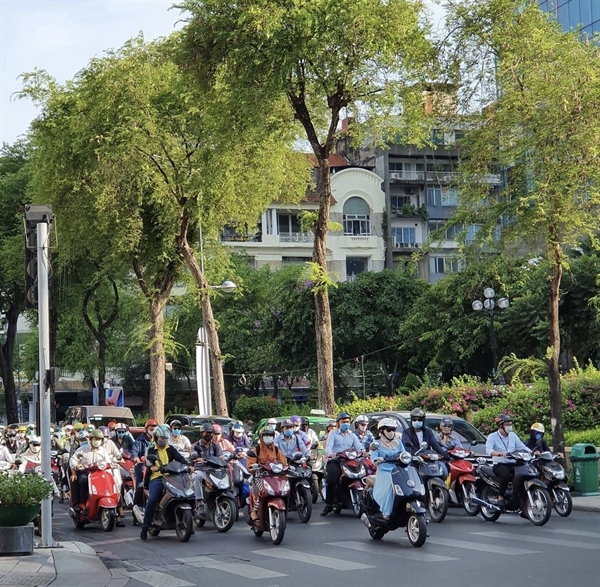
point(390, 446)
point(417, 433)
point(499, 444)
point(312, 435)
point(238, 437)
point(288, 442)
point(266, 451)
point(338, 441)
point(11, 438)
point(536, 438)
point(297, 422)
point(217, 436)
point(179, 441)
point(123, 439)
point(364, 434)
point(138, 455)
point(272, 425)
point(447, 437)
point(159, 455)
point(33, 453)
point(201, 451)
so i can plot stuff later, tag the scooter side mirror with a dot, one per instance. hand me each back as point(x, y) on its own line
point(152, 458)
point(423, 445)
point(251, 453)
point(473, 443)
point(314, 445)
point(374, 446)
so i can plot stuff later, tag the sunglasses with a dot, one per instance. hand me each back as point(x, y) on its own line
point(176, 428)
point(151, 428)
point(216, 433)
point(417, 419)
point(386, 429)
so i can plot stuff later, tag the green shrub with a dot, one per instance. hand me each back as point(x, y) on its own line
point(591, 436)
point(378, 403)
point(257, 408)
point(23, 490)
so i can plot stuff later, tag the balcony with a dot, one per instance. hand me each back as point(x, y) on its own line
point(297, 237)
point(240, 238)
point(401, 247)
point(407, 176)
point(363, 241)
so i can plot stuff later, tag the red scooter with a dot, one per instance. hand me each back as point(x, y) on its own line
point(102, 500)
point(350, 486)
point(273, 498)
point(462, 480)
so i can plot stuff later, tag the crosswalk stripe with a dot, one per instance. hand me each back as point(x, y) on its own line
point(580, 533)
point(412, 554)
point(480, 547)
point(539, 540)
point(158, 579)
point(241, 569)
point(112, 541)
point(313, 559)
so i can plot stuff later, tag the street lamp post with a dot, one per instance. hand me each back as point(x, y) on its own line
point(487, 307)
point(203, 360)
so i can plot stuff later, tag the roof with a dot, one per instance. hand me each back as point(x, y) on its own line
point(335, 160)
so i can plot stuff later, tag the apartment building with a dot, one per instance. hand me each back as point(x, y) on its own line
point(575, 14)
point(357, 204)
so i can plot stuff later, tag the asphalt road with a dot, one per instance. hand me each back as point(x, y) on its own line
point(337, 550)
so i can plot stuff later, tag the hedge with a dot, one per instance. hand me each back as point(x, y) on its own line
point(591, 436)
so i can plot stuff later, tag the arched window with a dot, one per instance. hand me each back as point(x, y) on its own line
point(357, 220)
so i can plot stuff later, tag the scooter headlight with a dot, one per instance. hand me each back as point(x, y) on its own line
point(558, 474)
point(398, 490)
point(405, 457)
point(351, 455)
point(286, 488)
point(268, 488)
point(276, 468)
point(219, 483)
point(102, 465)
point(434, 457)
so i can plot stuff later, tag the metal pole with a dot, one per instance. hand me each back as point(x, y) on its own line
point(44, 366)
point(493, 343)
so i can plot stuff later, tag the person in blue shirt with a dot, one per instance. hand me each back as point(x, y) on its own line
point(290, 443)
point(499, 444)
point(389, 446)
point(339, 440)
point(364, 434)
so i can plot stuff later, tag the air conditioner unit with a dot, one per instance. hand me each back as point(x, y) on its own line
point(409, 191)
point(395, 175)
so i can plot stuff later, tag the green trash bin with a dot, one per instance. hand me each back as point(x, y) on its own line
point(584, 459)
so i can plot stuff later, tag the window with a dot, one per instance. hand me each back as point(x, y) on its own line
point(403, 236)
point(295, 260)
point(399, 201)
point(354, 266)
point(357, 220)
point(435, 225)
point(442, 265)
point(453, 232)
point(441, 196)
point(437, 136)
point(472, 231)
point(288, 224)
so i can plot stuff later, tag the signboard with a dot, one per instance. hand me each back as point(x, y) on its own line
point(114, 397)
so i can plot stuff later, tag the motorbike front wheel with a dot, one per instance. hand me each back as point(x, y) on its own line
point(376, 533)
point(276, 525)
point(489, 514)
point(107, 519)
point(224, 514)
point(538, 506)
point(563, 502)
point(470, 506)
point(183, 525)
point(438, 503)
point(356, 503)
point(315, 488)
point(303, 503)
point(416, 529)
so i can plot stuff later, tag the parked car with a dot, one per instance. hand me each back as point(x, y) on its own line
point(317, 423)
point(99, 415)
point(470, 437)
point(198, 420)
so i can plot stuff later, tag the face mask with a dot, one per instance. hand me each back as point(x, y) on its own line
point(120, 434)
point(296, 428)
point(96, 443)
point(207, 437)
point(176, 432)
point(288, 433)
point(539, 435)
point(162, 442)
point(35, 449)
point(508, 429)
point(237, 433)
point(268, 440)
point(270, 427)
point(389, 434)
point(21, 434)
point(345, 427)
point(362, 426)
point(417, 424)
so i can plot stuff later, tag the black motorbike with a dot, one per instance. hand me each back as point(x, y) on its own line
point(554, 476)
point(526, 494)
point(433, 474)
point(317, 465)
point(174, 511)
point(220, 495)
point(408, 510)
point(300, 474)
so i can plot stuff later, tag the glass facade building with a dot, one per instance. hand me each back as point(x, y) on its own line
point(575, 14)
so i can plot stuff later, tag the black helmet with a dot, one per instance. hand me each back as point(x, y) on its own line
point(304, 420)
point(206, 427)
point(175, 423)
point(268, 432)
point(342, 416)
point(503, 419)
point(446, 421)
point(417, 413)
point(287, 423)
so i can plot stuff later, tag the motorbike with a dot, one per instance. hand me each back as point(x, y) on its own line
point(461, 481)
point(408, 510)
point(526, 494)
point(127, 483)
point(103, 498)
point(299, 473)
point(57, 477)
point(433, 475)
point(273, 496)
point(317, 465)
point(220, 495)
point(34, 467)
point(350, 485)
point(553, 475)
point(174, 511)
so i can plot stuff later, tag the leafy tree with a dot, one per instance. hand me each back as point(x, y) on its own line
point(322, 58)
point(15, 176)
point(538, 121)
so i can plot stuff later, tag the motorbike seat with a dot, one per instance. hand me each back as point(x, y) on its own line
point(369, 480)
point(487, 470)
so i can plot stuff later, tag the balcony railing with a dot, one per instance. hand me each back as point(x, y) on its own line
point(240, 238)
point(297, 237)
point(400, 245)
point(404, 176)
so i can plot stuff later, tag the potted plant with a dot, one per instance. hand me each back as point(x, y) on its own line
point(21, 497)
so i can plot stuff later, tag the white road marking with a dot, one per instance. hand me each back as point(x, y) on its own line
point(539, 540)
point(241, 569)
point(158, 579)
point(313, 559)
point(480, 547)
point(318, 523)
point(581, 533)
point(113, 541)
point(408, 552)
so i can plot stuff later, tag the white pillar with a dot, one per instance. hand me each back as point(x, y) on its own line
point(203, 373)
point(274, 221)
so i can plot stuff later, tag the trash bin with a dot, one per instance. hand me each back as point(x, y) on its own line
point(584, 458)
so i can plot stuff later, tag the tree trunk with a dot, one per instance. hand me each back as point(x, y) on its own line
point(323, 330)
point(6, 365)
point(555, 256)
point(156, 408)
point(214, 349)
point(101, 370)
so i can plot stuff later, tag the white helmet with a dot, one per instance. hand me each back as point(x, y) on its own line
point(361, 420)
point(35, 444)
point(387, 423)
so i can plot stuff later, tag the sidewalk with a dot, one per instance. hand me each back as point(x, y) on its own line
point(589, 503)
point(73, 564)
